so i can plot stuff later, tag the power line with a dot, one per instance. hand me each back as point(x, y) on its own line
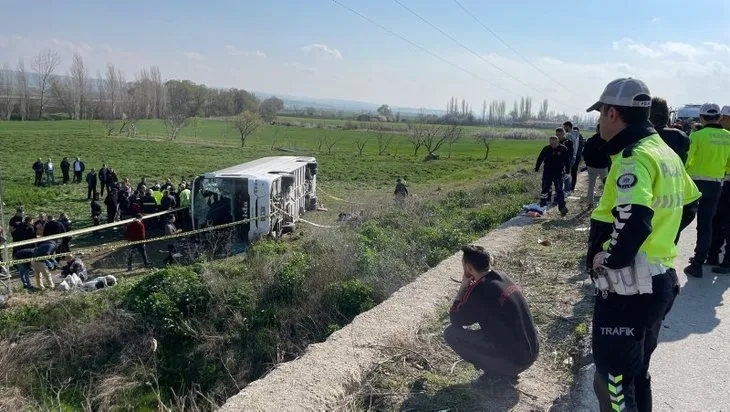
point(508, 46)
point(424, 49)
point(477, 54)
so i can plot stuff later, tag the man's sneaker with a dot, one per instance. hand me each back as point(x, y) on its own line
point(563, 211)
point(693, 270)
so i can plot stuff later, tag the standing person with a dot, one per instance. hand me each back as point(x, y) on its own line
point(598, 162)
point(135, 233)
point(78, 167)
point(674, 138)
point(721, 222)
point(630, 250)
point(91, 179)
point(401, 191)
point(96, 213)
point(24, 269)
point(170, 229)
point(563, 140)
point(577, 160)
point(14, 224)
point(557, 163)
point(48, 167)
point(104, 179)
point(112, 205)
point(707, 162)
point(65, 246)
point(38, 169)
point(506, 343)
point(185, 195)
point(65, 167)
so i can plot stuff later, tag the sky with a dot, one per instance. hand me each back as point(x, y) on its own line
point(566, 51)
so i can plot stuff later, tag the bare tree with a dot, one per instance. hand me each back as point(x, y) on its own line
point(7, 91)
point(111, 86)
point(246, 123)
point(433, 139)
point(330, 143)
point(80, 84)
point(23, 89)
point(45, 63)
point(64, 94)
point(360, 142)
point(485, 140)
point(416, 135)
point(174, 122)
point(453, 134)
point(383, 140)
point(158, 91)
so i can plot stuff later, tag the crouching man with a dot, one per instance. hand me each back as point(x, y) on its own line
point(506, 343)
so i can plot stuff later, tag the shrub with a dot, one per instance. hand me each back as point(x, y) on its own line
point(290, 278)
point(348, 299)
point(166, 297)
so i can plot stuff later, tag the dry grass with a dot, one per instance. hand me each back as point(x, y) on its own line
point(422, 373)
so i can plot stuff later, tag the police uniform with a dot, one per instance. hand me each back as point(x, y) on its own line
point(707, 161)
point(635, 224)
point(721, 221)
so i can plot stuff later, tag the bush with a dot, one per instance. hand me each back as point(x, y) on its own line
point(166, 297)
point(290, 278)
point(348, 299)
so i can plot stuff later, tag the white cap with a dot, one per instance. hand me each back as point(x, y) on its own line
point(626, 92)
point(709, 109)
point(725, 111)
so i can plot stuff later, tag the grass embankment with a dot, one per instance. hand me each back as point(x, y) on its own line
point(422, 373)
point(189, 337)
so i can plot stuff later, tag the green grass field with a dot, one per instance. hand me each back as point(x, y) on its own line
point(215, 144)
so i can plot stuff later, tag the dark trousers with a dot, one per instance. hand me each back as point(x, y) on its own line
point(475, 347)
point(38, 178)
point(65, 176)
point(721, 225)
point(625, 334)
point(77, 177)
point(142, 251)
point(550, 178)
point(705, 213)
point(574, 172)
point(170, 259)
point(91, 192)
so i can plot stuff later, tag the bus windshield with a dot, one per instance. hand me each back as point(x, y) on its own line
point(213, 201)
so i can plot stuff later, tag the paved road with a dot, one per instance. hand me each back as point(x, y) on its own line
point(691, 367)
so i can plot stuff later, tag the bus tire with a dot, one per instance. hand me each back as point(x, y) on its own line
point(311, 203)
point(287, 228)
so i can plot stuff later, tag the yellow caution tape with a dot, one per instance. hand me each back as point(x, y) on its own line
point(126, 243)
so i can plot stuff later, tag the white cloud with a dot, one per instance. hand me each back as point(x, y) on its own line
point(322, 50)
point(304, 69)
point(194, 56)
point(234, 51)
point(682, 49)
point(642, 49)
point(656, 19)
point(717, 46)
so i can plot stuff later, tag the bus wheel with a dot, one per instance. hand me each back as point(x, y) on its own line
point(287, 228)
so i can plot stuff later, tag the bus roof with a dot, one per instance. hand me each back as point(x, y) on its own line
point(263, 166)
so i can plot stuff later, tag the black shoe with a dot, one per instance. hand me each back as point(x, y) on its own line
point(713, 261)
point(723, 269)
point(693, 270)
point(563, 211)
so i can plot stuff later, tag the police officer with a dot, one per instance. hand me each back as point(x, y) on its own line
point(631, 236)
point(721, 222)
point(708, 158)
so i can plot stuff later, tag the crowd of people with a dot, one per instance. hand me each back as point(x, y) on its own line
point(121, 201)
point(657, 180)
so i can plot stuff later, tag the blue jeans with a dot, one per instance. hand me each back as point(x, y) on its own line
point(24, 270)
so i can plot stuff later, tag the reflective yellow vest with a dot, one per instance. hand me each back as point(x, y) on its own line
point(709, 154)
point(650, 174)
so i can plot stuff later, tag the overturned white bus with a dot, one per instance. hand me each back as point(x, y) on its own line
point(272, 191)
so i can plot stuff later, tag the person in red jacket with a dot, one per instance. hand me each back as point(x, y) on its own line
point(135, 233)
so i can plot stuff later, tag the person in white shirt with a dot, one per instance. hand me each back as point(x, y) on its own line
point(50, 178)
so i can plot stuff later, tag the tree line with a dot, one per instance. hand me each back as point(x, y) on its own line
point(42, 93)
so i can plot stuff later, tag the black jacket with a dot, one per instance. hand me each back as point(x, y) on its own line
point(556, 160)
point(38, 167)
point(500, 308)
point(65, 166)
point(53, 227)
point(104, 174)
point(95, 208)
point(91, 179)
point(677, 140)
point(594, 153)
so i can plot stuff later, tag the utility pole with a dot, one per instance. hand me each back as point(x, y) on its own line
point(6, 232)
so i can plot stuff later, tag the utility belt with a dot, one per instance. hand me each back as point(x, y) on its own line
point(635, 279)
